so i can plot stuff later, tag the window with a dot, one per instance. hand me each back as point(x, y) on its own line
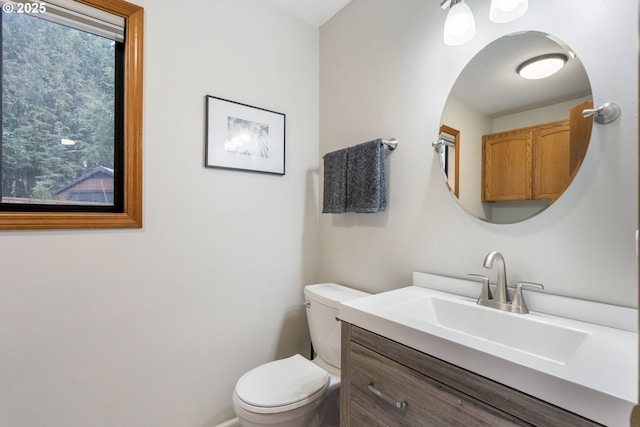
point(71, 115)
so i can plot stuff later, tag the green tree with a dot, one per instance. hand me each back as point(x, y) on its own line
point(57, 82)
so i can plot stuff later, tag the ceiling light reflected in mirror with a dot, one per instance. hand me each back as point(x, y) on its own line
point(542, 66)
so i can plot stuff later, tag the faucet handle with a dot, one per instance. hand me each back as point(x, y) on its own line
point(485, 294)
point(517, 304)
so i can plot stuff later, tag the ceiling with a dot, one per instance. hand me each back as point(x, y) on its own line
point(315, 12)
point(489, 82)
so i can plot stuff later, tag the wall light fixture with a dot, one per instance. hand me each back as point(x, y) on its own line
point(502, 11)
point(459, 27)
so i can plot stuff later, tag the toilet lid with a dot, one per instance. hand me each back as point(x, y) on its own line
point(281, 382)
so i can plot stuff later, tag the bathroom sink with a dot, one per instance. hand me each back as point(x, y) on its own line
point(527, 333)
point(576, 354)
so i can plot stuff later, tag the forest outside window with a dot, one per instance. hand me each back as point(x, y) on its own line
point(71, 114)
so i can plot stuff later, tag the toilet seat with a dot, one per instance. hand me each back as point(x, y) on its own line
point(281, 385)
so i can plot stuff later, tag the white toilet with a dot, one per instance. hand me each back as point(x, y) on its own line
point(296, 392)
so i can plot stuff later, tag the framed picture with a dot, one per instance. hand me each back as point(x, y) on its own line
point(243, 137)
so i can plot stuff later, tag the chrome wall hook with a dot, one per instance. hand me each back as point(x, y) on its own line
point(604, 114)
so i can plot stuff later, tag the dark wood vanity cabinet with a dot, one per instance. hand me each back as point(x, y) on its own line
point(385, 383)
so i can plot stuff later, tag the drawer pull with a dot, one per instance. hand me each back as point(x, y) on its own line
point(400, 405)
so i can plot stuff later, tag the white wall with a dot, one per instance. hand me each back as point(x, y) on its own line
point(386, 72)
point(472, 125)
point(549, 113)
point(152, 327)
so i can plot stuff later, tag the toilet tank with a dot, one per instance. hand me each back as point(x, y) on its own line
point(322, 302)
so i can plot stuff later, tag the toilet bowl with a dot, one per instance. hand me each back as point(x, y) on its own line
point(297, 392)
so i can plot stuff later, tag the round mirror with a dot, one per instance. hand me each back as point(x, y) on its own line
point(510, 145)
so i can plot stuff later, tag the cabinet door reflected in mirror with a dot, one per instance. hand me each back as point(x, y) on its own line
point(511, 146)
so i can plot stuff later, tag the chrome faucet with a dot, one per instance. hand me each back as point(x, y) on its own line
point(501, 300)
point(502, 295)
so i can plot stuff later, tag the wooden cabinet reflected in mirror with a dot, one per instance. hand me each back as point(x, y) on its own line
point(536, 162)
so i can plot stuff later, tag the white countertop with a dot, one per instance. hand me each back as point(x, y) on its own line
point(598, 381)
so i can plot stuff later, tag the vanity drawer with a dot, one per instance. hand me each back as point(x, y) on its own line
point(437, 393)
point(362, 418)
point(394, 394)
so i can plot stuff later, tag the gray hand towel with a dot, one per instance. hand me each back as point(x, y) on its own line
point(366, 178)
point(334, 198)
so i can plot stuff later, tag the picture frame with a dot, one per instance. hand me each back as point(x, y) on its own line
point(244, 137)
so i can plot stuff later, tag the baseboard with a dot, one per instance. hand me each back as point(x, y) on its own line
point(233, 422)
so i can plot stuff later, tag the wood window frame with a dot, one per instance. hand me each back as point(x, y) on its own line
point(131, 216)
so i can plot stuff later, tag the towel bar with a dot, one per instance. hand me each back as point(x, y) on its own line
point(392, 143)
